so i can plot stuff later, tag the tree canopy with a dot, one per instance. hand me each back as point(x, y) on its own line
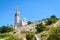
point(5, 29)
point(40, 27)
point(52, 19)
point(29, 22)
point(30, 36)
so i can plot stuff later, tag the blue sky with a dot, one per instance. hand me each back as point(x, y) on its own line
point(32, 10)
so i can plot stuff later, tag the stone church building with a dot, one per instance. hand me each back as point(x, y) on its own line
point(17, 21)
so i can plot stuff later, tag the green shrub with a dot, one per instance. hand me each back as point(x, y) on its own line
point(29, 22)
point(5, 35)
point(30, 36)
point(5, 29)
point(52, 19)
point(13, 38)
point(54, 33)
point(40, 27)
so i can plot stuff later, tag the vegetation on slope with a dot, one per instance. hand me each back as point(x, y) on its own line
point(14, 38)
point(52, 19)
point(40, 27)
point(29, 22)
point(5, 29)
point(30, 36)
point(4, 35)
point(54, 33)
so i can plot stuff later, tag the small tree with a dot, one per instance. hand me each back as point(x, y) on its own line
point(48, 22)
point(52, 19)
point(53, 16)
point(29, 22)
point(40, 27)
point(30, 36)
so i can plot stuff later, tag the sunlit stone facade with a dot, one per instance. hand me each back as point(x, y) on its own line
point(17, 21)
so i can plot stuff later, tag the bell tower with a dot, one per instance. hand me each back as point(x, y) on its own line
point(17, 17)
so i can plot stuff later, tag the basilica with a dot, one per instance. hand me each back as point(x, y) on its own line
point(17, 21)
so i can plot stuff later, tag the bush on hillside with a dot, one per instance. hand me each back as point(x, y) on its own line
point(30, 36)
point(40, 27)
point(5, 29)
point(29, 22)
point(4, 35)
point(54, 33)
point(52, 19)
point(14, 38)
